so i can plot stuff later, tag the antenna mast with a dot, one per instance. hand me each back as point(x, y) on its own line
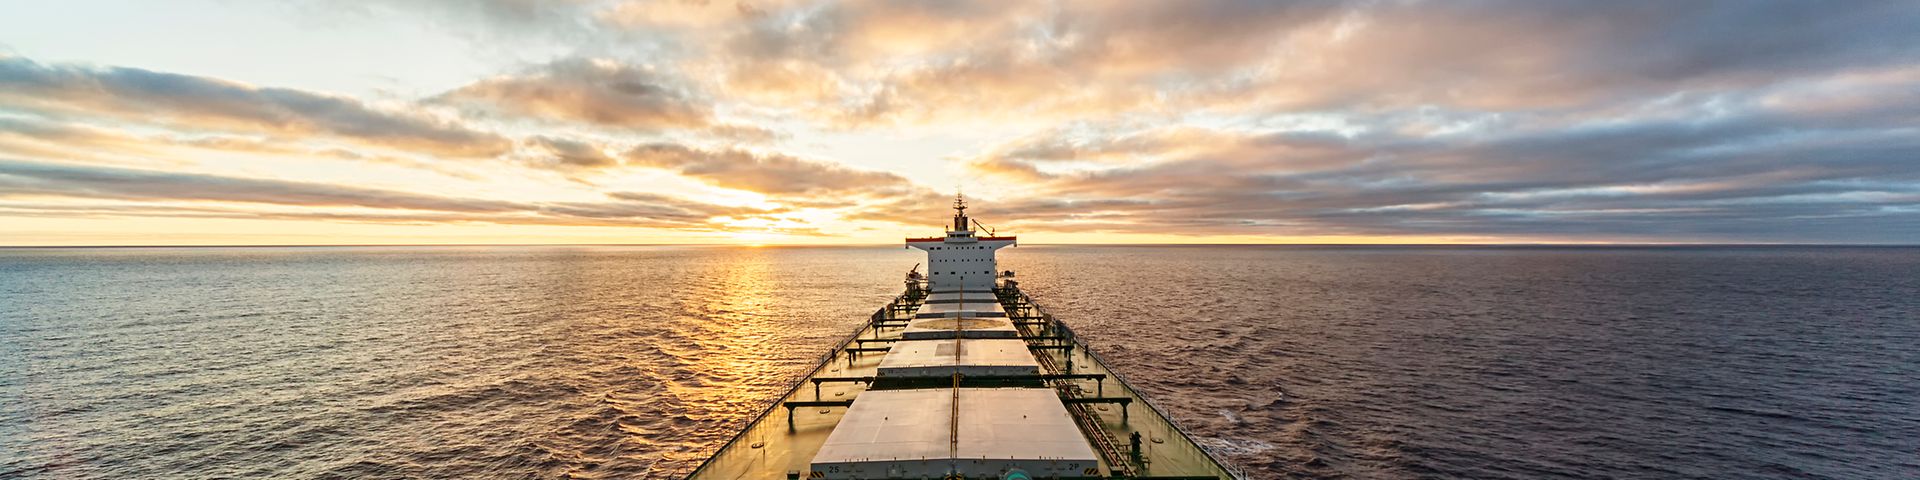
point(959, 212)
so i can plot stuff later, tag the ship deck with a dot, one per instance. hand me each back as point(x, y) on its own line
point(783, 441)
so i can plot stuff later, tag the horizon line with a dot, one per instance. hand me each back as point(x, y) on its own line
point(793, 245)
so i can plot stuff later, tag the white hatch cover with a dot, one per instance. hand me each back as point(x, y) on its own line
point(910, 434)
point(975, 356)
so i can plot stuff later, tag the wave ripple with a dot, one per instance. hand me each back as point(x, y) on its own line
point(631, 362)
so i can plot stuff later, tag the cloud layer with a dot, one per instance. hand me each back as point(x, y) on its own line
point(198, 103)
point(1481, 121)
point(598, 92)
point(233, 197)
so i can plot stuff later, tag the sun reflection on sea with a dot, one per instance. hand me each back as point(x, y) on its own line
point(739, 363)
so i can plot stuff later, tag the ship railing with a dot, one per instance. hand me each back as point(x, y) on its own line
point(1230, 467)
point(768, 407)
point(1067, 332)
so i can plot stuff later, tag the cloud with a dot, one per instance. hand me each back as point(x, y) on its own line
point(592, 91)
point(876, 63)
point(48, 179)
point(191, 102)
point(234, 197)
point(1763, 121)
point(655, 207)
point(747, 134)
point(567, 154)
point(73, 140)
point(39, 138)
point(1175, 153)
point(1756, 172)
point(1575, 54)
point(769, 173)
point(865, 62)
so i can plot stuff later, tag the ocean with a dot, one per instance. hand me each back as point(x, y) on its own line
point(633, 362)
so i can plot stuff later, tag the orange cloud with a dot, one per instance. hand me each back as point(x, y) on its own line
point(593, 91)
point(765, 173)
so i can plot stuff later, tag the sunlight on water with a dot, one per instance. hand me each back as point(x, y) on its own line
point(736, 351)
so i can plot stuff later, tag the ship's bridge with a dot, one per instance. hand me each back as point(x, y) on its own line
point(962, 262)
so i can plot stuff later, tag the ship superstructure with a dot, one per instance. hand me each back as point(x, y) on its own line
point(961, 376)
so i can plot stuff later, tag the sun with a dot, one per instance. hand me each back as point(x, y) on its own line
point(753, 238)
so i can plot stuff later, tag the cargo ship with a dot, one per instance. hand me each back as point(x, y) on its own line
point(962, 376)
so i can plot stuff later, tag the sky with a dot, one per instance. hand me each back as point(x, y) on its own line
point(228, 122)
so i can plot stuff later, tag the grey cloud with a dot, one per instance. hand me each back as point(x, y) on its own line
point(49, 130)
point(33, 137)
point(43, 138)
point(571, 154)
point(1608, 52)
point(29, 180)
point(46, 179)
point(1748, 174)
point(185, 100)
